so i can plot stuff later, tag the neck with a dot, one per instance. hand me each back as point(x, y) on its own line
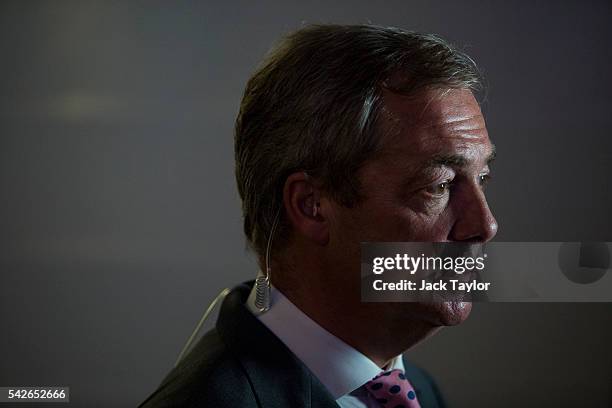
point(381, 341)
point(339, 310)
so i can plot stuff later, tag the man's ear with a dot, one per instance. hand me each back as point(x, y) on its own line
point(305, 208)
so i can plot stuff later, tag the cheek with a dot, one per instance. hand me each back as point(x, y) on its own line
point(432, 228)
point(414, 218)
point(407, 224)
point(387, 220)
point(345, 235)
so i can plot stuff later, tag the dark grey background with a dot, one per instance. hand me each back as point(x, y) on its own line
point(120, 220)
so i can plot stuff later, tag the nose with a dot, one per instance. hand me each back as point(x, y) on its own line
point(474, 220)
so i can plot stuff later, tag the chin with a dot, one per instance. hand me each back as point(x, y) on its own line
point(441, 313)
point(454, 313)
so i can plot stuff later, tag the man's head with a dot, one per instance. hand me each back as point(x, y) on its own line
point(360, 133)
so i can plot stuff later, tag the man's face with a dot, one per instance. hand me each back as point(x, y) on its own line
point(426, 184)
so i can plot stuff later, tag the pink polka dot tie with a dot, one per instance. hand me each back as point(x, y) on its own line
point(392, 390)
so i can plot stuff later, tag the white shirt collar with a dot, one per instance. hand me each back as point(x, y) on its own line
point(338, 366)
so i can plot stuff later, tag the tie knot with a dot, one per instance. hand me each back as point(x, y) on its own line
point(392, 389)
point(391, 375)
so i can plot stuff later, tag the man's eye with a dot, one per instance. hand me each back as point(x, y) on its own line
point(439, 189)
point(483, 179)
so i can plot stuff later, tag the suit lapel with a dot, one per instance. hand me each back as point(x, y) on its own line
point(277, 376)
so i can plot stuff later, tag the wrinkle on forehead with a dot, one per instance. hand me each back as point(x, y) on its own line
point(424, 105)
point(443, 112)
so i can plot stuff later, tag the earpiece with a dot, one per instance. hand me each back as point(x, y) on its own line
point(315, 209)
point(262, 282)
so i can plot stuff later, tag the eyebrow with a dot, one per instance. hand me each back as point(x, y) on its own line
point(457, 160)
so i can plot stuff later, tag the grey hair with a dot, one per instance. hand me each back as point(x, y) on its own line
point(313, 106)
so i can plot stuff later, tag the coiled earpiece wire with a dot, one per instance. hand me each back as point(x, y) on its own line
point(262, 282)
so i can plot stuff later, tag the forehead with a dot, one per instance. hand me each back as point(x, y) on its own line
point(434, 122)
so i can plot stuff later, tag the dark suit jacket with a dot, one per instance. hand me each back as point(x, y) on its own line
point(242, 364)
